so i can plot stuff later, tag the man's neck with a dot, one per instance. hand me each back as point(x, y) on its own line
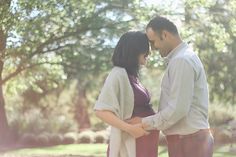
point(176, 42)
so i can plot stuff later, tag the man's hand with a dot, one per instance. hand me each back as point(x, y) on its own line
point(137, 130)
point(135, 120)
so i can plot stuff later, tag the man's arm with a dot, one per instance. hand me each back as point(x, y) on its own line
point(181, 75)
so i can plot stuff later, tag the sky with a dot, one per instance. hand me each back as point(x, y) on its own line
point(170, 3)
point(175, 5)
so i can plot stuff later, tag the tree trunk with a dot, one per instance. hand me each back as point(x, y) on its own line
point(81, 108)
point(4, 128)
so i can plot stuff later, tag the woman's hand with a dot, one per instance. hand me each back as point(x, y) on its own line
point(136, 130)
point(137, 120)
point(134, 120)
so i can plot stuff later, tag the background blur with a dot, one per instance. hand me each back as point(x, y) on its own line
point(56, 54)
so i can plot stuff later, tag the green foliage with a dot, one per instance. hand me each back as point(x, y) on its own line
point(219, 114)
point(69, 138)
point(210, 27)
point(52, 43)
point(55, 139)
point(43, 139)
point(33, 121)
point(28, 139)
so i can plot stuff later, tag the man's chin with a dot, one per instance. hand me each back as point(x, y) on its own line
point(163, 55)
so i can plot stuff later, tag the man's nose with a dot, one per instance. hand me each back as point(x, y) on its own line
point(153, 47)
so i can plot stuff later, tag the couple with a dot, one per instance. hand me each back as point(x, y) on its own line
point(183, 111)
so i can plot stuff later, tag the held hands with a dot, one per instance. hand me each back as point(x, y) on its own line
point(136, 130)
point(137, 120)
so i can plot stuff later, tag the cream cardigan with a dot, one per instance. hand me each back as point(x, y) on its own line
point(117, 96)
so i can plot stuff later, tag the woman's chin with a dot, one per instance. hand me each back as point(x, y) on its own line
point(143, 64)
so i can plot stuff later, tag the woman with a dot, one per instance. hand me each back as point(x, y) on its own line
point(123, 97)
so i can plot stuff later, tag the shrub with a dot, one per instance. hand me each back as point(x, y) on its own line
point(220, 115)
point(28, 139)
point(55, 139)
point(101, 136)
point(43, 139)
point(222, 135)
point(69, 138)
point(86, 137)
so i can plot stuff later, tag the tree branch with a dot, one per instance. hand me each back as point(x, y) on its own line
point(21, 69)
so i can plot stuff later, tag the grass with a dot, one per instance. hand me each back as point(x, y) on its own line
point(97, 150)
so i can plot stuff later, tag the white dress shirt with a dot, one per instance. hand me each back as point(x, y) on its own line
point(183, 105)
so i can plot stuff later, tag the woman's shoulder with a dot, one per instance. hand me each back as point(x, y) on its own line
point(119, 71)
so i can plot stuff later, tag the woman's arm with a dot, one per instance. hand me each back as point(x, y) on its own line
point(110, 118)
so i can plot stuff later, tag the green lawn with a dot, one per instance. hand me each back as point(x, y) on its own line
point(97, 150)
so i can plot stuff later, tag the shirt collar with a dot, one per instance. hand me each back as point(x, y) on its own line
point(175, 51)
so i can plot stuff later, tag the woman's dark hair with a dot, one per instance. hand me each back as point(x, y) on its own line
point(128, 50)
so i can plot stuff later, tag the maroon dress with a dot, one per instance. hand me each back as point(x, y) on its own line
point(146, 146)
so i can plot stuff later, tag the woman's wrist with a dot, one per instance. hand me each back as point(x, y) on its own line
point(126, 127)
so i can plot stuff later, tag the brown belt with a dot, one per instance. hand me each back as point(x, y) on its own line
point(189, 135)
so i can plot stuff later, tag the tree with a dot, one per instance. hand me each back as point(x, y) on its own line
point(5, 5)
point(74, 35)
point(211, 26)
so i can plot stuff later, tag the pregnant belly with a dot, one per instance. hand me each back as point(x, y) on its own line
point(143, 111)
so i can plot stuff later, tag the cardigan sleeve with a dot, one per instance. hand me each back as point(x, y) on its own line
point(108, 98)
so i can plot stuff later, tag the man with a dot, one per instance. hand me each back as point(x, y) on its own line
point(183, 110)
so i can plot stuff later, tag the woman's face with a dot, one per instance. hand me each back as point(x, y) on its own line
point(143, 59)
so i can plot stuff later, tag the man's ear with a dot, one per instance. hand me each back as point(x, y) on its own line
point(165, 34)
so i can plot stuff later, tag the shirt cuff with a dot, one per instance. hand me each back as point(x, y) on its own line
point(149, 122)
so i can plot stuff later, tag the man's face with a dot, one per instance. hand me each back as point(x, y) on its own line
point(158, 42)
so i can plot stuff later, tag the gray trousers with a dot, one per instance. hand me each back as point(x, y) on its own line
point(199, 144)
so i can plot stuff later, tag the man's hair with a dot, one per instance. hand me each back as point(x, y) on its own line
point(159, 23)
point(128, 50)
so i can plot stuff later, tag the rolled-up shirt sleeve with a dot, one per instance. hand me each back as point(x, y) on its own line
point(181, 75)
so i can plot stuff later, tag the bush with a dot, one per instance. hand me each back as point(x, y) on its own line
point(101, 136)
point(43, 140)
point(70, 138)
point(86, 137)
point(27, 117)
point(55, 139)
point(220, 115)
point(222, 135)
point(28, 139)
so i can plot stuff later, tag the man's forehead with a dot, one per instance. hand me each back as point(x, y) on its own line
point(151, 34)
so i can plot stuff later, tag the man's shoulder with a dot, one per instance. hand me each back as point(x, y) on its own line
point(188, 58)
point(188, 55)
